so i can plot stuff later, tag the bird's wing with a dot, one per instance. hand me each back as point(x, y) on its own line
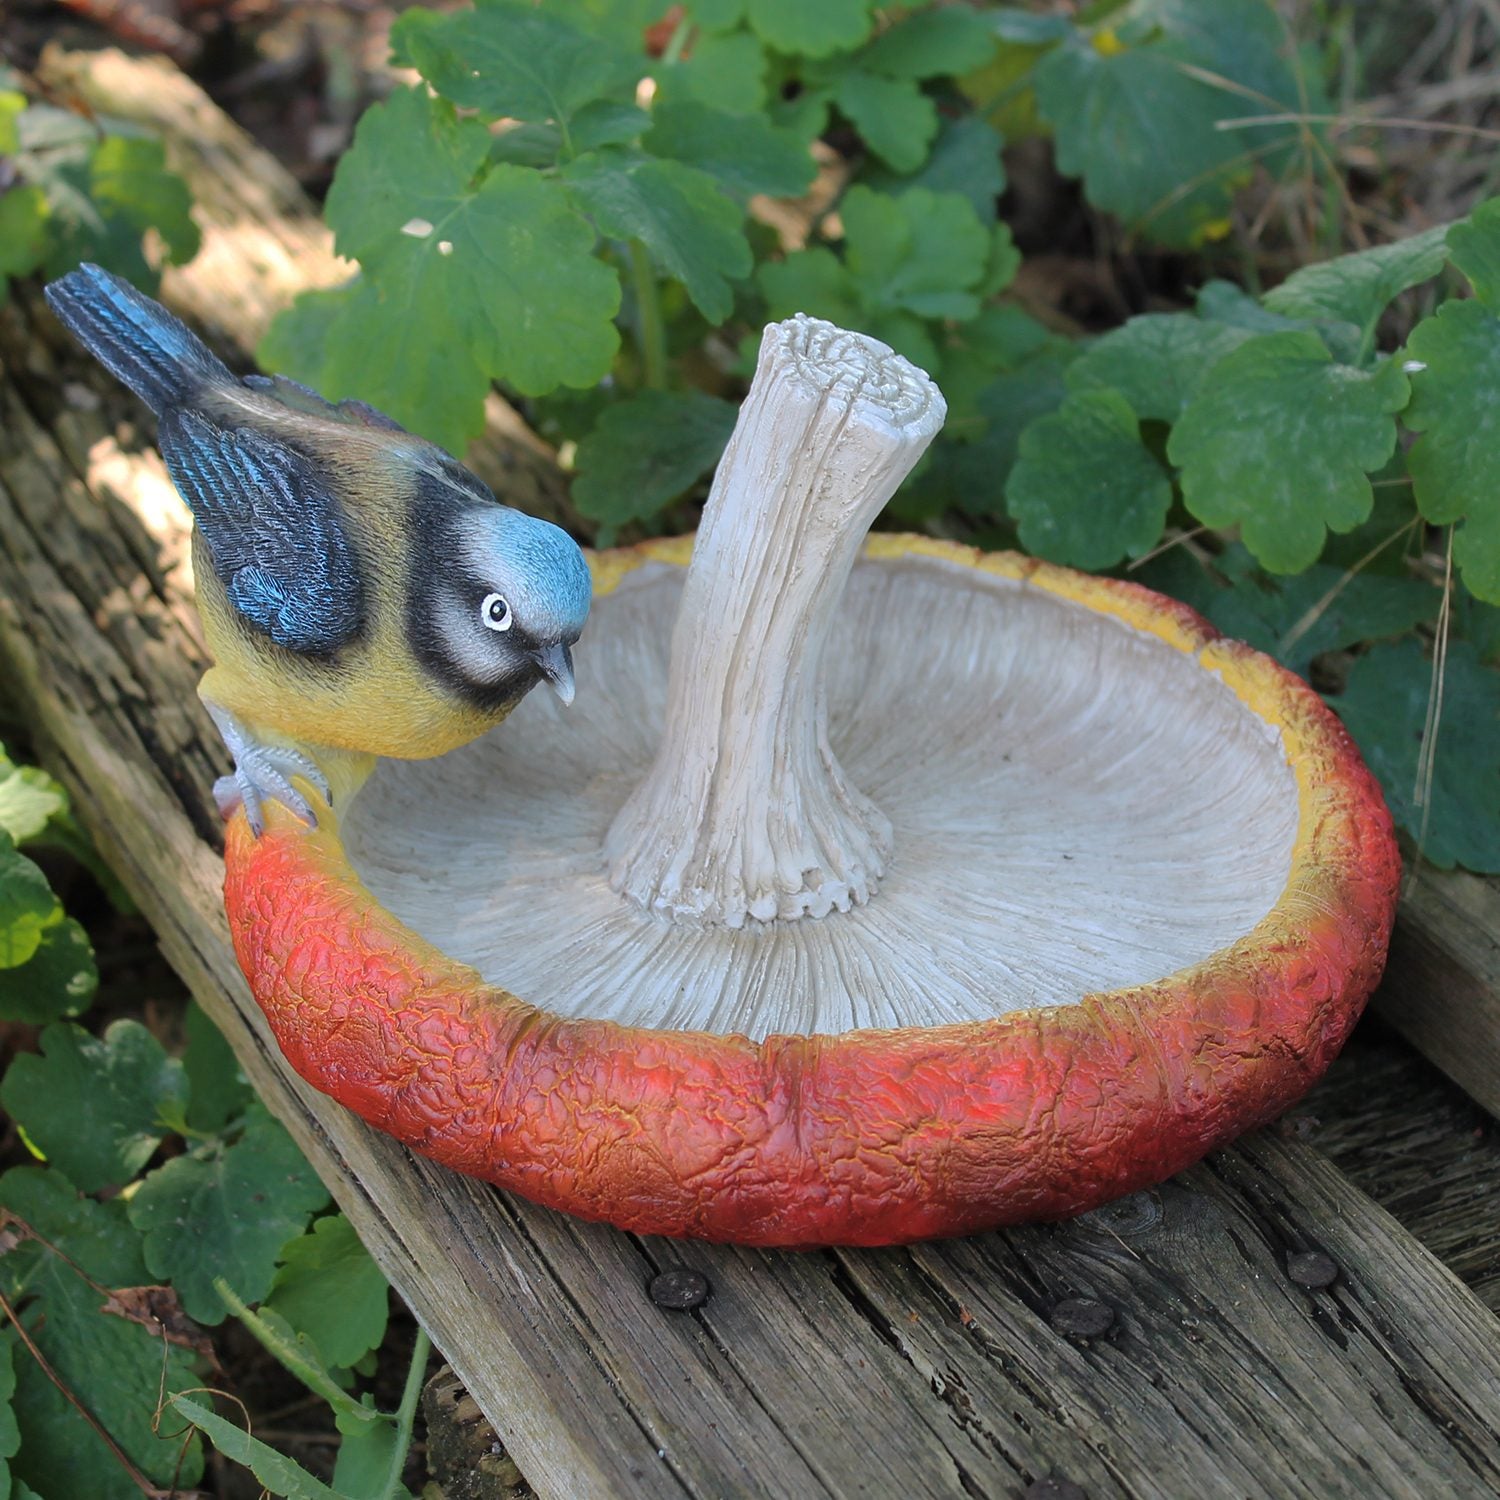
point(273, 528)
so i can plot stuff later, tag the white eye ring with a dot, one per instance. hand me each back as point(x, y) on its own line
point(495, 612)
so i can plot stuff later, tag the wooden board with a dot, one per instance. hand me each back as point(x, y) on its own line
point(935, 1371)
point(1417, 1144)
point(1442, 989)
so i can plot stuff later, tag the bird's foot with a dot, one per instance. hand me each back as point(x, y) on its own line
point(263, 772)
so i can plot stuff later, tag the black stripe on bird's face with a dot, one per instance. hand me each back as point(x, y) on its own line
point(447, 589)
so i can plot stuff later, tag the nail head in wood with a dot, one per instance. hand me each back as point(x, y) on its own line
point(680, 1289)
point(1082, 1318)
point(1055, 1487)
point(1312, 1269)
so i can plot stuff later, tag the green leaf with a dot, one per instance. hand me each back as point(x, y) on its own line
point(921, 253)
point(716, 15)
point(805, 113)
point(692, 231)
point(1004, 262)
point(10, 1431)
point(115, 1366)
point(1293, 619)
point(1002, 337)
point(1224, 302)
point(527, 145)
point(727, 72)
point(623, 23)
point(93, 1105)
point(330, 1289)
point(970, 476)
point(219, 1091)
point(364, 1462)
point(1027, 29)
point(226, 1215)
point(608, 122)
point(1385, 708)
point(1357, 288)
point(297, 342)
point(27, 906)
point(965, 159)
point(23, 231)
point(58, 980)
point(297, 1354)
point(349, 341)
point(1455, 405)
point(745, 153)
point(812, 281)
point(130, 180)
point(1085, 491)
point(514, 61)
point(462, 283)
point(646, 451)
point(895, 118)
point(1279, 441)
point(932, 44)
point(1136, 129)
point(11, 106)
point(1157, 362)
point(1479, 623)
point(909, 336)
point(1474, 247)
point(29, 799)
point(811, 30)
point(1138, 119)
point(278, 1473)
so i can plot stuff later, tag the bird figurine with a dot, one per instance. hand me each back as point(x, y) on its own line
point(360, 589)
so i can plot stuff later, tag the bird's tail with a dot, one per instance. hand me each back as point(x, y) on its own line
point(137, 340)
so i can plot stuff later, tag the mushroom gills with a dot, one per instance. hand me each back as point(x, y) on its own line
point(1076, 805)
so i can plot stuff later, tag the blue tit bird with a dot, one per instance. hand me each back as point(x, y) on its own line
point(360, 589)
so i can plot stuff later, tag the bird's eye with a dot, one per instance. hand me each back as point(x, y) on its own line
point(495, 612)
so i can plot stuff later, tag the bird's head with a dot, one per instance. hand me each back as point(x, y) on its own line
point(508, 599)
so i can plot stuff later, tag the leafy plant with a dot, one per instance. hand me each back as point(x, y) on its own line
point(47, 967)
point(537, 198)
point(156, 1167)
point(74, 188)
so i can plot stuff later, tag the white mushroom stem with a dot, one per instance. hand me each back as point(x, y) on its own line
point(745, 815)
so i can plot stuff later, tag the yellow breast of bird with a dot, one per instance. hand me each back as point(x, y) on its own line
point(372, 696)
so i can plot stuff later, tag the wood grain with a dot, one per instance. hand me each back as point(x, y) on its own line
point(1442, 989)
point(934, 1371)
point(1416, 1143)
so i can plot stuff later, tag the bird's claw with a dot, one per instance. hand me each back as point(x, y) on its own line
point(263, 772)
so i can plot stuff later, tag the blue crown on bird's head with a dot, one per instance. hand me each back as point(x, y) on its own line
point(549, 574)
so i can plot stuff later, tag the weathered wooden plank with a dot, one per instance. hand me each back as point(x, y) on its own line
point(1416, 1143)
point(1442, 989)
point(933, 1371)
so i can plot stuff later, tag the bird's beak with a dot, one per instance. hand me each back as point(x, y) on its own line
point(555, 663)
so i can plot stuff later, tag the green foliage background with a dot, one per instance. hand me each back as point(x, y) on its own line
point(532, 217)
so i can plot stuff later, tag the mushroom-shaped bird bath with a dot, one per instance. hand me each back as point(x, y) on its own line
point(872, 889)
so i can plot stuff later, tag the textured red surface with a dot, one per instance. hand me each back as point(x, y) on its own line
point(865, 1138)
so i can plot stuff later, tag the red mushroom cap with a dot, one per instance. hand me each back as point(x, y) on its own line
point(864, 1137)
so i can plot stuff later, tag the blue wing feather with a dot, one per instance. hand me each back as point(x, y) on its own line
point(273, 529)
